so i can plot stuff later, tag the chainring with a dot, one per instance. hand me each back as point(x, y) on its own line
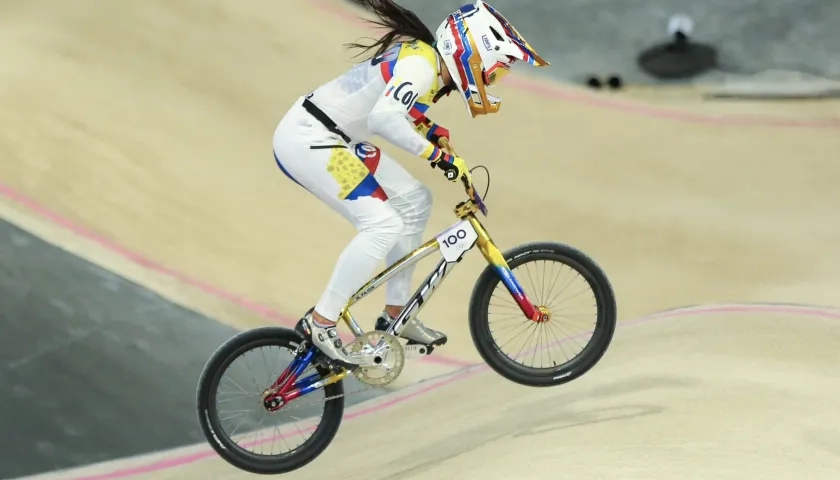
point(389, 348)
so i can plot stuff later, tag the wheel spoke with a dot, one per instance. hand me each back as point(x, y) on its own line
point(240, 421)
point(552, 274)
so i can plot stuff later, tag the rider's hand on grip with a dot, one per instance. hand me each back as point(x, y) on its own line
point(454, 167)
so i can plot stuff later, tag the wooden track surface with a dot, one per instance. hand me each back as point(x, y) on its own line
point(147, 125)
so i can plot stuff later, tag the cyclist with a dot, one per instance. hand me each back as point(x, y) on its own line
point(322, 144)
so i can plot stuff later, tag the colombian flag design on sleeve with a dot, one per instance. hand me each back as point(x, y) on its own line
point(389, 59)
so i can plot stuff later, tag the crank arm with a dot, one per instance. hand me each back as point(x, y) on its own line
point(371, 356)
point(417, 351)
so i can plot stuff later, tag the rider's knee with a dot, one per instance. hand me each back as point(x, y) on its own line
point(423, 200)
point(415, 206)
point(385, 231)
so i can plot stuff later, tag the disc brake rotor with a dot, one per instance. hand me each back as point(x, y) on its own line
point(385, 346)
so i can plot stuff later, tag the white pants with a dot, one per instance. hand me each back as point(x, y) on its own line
point(386, 204)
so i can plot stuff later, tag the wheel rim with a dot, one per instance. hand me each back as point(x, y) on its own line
point(566, 295)
point(236, 404)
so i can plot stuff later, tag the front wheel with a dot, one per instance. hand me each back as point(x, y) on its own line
point(236, 422)
point(546, 273)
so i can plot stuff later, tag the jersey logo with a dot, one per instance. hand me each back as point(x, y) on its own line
point(403, 93)
point(366, 150)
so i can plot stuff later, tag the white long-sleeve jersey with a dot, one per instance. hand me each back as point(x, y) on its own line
point(385, 96)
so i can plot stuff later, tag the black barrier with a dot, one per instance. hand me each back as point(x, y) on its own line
point(678, 59)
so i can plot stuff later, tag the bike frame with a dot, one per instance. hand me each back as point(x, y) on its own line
point(453, 243)
point(463, 230)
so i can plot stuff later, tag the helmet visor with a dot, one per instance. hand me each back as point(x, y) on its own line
point(494, 74)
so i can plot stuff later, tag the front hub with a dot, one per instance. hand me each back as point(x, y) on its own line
point(543, 314)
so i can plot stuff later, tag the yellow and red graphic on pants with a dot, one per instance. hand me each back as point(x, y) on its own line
point(354, 172)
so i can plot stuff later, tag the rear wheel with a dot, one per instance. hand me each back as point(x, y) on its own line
point(530, 357)
point(264, 442)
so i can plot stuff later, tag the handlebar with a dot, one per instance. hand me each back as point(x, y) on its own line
point(468, 186)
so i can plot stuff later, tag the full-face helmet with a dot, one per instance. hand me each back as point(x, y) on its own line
point(479, 47)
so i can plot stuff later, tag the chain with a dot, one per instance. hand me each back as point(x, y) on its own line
point(368, 387)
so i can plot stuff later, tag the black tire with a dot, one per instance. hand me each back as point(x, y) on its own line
point(590, 355)
point(228, 449)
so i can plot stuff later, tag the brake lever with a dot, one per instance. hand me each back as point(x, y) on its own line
point(468, 186)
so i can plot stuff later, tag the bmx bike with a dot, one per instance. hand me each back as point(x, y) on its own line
point(308, 373)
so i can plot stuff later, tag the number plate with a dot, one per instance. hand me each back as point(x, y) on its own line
point(456, 240)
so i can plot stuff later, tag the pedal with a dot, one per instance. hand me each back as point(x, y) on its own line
point(436, 343)
point(382, 325)
point(332, 366)
point(417, 350)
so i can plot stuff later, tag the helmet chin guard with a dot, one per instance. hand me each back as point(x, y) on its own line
point(479, 47)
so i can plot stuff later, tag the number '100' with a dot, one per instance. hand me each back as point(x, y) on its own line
point(452, 240)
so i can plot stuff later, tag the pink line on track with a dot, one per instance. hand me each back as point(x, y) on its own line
point(209, 453)
point(780, 308)
point(139, 259)
point(823, 312)
point(553, 91)
point(581, 97)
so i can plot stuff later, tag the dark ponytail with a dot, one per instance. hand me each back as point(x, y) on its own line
point(401, 25)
